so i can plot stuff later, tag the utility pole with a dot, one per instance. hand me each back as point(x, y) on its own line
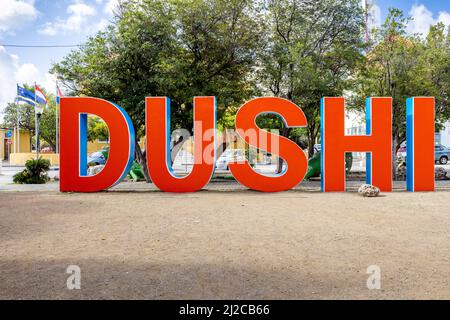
point(57, 118)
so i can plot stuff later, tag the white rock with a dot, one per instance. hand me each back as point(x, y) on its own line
point(367, 190)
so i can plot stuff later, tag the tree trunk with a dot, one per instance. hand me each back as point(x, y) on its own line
point(284, 133)
point(141, 157)
point(280, 165)
point(394, 155)
point(50, 142)
point(221, 148)
point(312, 135)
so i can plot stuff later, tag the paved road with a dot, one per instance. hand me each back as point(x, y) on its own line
point(7, 174)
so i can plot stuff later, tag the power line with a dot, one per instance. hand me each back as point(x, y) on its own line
point(42, 46)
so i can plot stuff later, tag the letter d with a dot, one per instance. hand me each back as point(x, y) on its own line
point(73, 135)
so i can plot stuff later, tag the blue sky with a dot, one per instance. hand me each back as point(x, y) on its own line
point(57, 22)
point(67, 22)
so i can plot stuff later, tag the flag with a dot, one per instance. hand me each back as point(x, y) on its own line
point(58, 95)
point(40, 96)
point(25, 96)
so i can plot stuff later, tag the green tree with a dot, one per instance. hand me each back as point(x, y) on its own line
point(434, 63)
point(168, 48)
point(310, 52)
point(402, 66)
point(97, 129)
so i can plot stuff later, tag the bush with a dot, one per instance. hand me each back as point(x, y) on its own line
point(35, 172)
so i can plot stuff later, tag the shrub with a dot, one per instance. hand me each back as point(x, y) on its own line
point(35, 172)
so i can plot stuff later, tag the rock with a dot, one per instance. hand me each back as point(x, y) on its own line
point(92, 171)
point(367, 190)
point(440, 173)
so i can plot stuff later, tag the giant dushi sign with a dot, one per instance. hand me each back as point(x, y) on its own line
point(377, 142)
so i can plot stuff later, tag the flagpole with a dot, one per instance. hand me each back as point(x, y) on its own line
point(17, 135)
point(58, 102)
point(15, 127)
point(15, 143)
point(18, 124)
point(36, 125)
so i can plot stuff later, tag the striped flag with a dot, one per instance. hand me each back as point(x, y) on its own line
point(25, 96)
point(40, 96)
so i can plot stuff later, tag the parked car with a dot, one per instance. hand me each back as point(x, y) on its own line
point(228, 156)
point(96, 158)
point(441, 154)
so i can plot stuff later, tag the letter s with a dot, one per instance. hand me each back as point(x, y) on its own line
point(296, 161)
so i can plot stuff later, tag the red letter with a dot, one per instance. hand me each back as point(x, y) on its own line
point(296, 161)
point(335, 144)
point(420, 144)
point(158, 145)
point(73, 166)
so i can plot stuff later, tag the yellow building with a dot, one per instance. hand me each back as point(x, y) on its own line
point(9, 145)
point(9, 150)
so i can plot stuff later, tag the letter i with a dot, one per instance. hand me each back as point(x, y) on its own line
point(420, 144)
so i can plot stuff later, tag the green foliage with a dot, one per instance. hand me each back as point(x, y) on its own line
point(174, 48)
point(97, 129)
point(235, 50)
point(35, 172)
point(311, 49)
point(401, 66)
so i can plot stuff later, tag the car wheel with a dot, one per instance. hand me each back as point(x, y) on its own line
point(443, 160)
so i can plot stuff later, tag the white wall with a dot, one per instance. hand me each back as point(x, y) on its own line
point(445, 135)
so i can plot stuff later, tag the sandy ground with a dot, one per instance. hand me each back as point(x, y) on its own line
point(224, 245)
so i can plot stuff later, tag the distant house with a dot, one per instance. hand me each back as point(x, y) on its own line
point(443, 136)
point(9, 142)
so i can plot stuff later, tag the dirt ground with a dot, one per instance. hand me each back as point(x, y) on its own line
point(224, 245)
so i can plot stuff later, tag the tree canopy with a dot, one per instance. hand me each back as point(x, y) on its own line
point(301, 50)
point(179, 49)
point(400, 66)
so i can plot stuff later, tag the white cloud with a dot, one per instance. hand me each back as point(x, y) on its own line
point(27, 73)
point(444, 17)
point(16, 72)
point(422, 19)
point(14, 14)
point(81, 9)
point(8, 69)
point(77, 21)
point(110, 7)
